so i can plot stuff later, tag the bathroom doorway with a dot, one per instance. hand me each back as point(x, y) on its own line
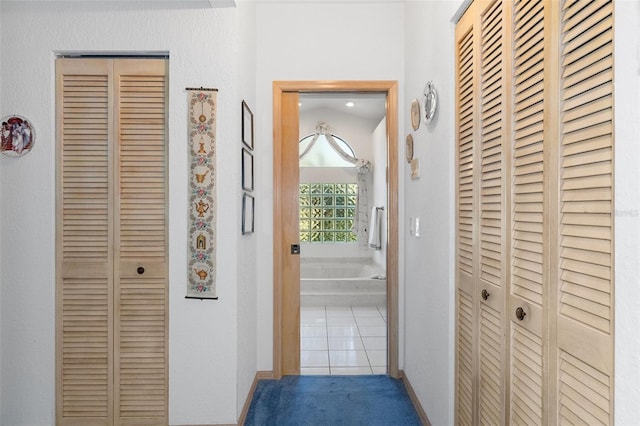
point(287, 133)
point(342, 201)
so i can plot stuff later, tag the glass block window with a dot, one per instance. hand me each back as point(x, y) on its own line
point(327, 211)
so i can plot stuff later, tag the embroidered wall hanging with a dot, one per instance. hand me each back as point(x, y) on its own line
point(202, 190)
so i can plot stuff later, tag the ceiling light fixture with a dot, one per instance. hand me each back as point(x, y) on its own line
point(350, 104)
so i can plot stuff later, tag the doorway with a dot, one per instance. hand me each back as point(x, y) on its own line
point(343, 195)
point(286, 230)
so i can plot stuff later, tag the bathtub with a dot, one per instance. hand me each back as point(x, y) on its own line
point(341, 282)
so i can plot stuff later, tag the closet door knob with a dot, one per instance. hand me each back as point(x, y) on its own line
point(485, 294)
point(520, 313)
point(140, 270)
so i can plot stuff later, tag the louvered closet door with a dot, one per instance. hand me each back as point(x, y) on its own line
point(482, 217)
point(534, 239)
point(84, 227)
point(527, 246)
point(141, 290)
point(111, 242)
point(585, 287)
point(491, 283)
point(466, 335)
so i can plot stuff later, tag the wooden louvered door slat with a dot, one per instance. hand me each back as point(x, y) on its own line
point(491, 280)
point(585, 279)
point(141, 291)
point(466, 252)
point(527, 251)
point(111, 219)
point(84, 228)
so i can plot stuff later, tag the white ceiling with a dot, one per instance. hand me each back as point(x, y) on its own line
point(370, 106)
point(174, 4)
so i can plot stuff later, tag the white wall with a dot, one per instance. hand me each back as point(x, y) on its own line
point(313, 41)
point(247, 246)
point(328, 174)
point(429, 300)
point(203, 334)
point(378, 196)
point(627, 219)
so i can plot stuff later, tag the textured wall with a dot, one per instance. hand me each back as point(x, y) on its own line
point(378, 196)
point(429, 301)
point(313, 40)
point(247, 246)
point(203, 338)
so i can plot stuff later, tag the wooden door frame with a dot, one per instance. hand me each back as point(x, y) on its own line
point(282, 312)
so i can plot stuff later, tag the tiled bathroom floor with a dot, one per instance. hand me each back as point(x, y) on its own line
point(339, 341)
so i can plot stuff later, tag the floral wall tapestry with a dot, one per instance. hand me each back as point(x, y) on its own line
point(202, 194)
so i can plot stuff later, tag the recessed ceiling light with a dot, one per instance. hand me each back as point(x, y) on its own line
point(350, 104)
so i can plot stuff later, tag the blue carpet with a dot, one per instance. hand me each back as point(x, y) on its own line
point(331, 400)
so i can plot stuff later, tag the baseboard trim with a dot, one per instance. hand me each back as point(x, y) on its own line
point(414, 399)
point(260, 375)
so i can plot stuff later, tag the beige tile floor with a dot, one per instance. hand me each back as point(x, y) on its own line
point(340, 341)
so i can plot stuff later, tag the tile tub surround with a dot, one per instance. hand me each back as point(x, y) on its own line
point(341, 282)
point(343, 340)
point(339, 267)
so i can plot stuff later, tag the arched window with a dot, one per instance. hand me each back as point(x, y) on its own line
point(322, 154)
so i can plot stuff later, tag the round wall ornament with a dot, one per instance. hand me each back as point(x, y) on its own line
point(430, 101)
point(17, 136)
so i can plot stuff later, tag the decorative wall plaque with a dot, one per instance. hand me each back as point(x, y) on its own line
point(430, 102)
point(17, 136)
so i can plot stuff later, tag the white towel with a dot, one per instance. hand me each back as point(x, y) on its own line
point(375, 228)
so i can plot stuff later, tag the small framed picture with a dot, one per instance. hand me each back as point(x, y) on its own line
point(247, 125)
point(247, 170)
point(248, 214)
